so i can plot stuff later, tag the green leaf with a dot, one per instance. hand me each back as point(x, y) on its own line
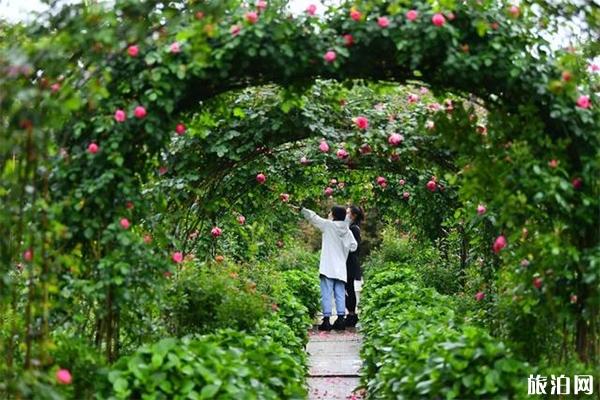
point(209, 391)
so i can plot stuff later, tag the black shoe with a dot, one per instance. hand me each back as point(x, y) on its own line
point(351, 320)
point(325, 325)
point(340, 323)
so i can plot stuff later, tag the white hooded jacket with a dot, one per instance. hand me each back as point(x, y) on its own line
point(337, 242)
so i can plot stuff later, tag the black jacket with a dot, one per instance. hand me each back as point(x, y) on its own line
point(352, 264)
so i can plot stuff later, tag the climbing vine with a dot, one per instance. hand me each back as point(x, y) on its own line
point(116, 120)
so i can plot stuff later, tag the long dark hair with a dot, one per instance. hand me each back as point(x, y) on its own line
point(358, 213)
point(339, 213)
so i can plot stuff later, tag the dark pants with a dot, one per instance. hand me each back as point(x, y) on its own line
point(350, 295)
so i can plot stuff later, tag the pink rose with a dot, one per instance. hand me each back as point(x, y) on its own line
point(177, 257)
point(553, 163)
point(216, 232)
point(405, 195)
point(361, 122)
point(395, 139)
point(323, 147)
point(402, 182)
point(251, 17)
point(120, 116)
point(93, 148)
point(28, 255)
point(330, 56)
point(355, 15)
point(328, 192)
point(55, 87)
point(261, 5)
point(180, 129)
point(479, 296)
point(383, 22)
point(284, 197)
point(261, 178)
point(124, 222)
point(311, 9)
point(438, 19)
point(365, 149)
point(348, 40)
point(431, 186)
point(412, 15)
point(241, 219)
point(584, 102)
point(133, 51)
point(342, 154)
point(514, 11)
point(175, 48)
point(433, 107)
point(63, 376)
point(499, 244)
point(235, 30)
point(381, 181)
point(413, 98)
point(139, 112)
point(481, 209)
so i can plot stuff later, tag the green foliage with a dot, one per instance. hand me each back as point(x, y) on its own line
point(225, 365)
point(203, 299)
point(512, 111)
point(297, 258)
point(293, 313)
point(433, 268)
point(415, 348)
point(304, 285)
point(85, 363)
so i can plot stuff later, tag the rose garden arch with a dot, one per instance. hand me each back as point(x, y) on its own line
point(176, 58)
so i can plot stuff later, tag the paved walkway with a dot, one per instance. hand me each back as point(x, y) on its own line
point(334, 363)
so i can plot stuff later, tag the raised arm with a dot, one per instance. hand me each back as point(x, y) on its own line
point(356, 233)
point(350, 242)
point(314, 219)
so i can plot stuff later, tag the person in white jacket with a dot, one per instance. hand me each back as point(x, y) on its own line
point(337, 242)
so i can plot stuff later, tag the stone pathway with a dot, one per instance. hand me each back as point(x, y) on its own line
point(334, 365)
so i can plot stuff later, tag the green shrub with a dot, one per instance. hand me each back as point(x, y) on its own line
point(294, 314)
point(394, 248)
point(451, 363)
point(304, 285)
point(297, 257)
point(415, 347)
point(433, 269)
point(275, 328)
point(225, 365)
point(202, 300)
point(86, 364)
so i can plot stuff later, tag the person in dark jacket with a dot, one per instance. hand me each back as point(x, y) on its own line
point(353, 271)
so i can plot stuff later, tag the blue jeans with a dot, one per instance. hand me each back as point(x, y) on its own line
point(338, 288)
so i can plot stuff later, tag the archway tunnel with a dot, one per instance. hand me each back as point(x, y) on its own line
point(187, 133)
